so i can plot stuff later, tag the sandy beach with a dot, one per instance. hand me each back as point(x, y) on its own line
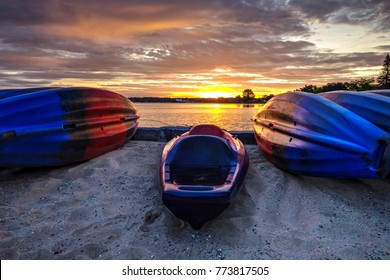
point(110, 208)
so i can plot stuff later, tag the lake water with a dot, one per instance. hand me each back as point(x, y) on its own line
point(227, 116)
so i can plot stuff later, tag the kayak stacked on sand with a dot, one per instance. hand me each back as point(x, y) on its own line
point(333, 134)
point(56, 126)
point(201, 173)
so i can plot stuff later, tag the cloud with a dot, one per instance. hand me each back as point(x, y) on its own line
point(163, 46)
point(383, 48)
point(375, 14)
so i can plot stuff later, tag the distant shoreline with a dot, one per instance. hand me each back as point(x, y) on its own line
point(227, 100)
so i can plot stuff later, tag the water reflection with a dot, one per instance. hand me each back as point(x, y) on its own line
point(227, 116)
point(248, 105)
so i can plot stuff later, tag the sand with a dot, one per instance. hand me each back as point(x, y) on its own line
point(110, 208)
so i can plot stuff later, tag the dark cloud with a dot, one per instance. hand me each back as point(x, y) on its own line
point(385, 48)
point(317, 9)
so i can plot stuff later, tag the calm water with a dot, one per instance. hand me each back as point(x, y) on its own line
point(227, 116)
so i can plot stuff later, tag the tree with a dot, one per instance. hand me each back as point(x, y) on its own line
point(238, 98)
point(248, 95)
point(384, 76)
point(334, 86)
point(360, 85)
point(268, 97)
point(327, 87)
point(308, 88)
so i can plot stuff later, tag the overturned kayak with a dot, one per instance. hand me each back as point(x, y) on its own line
point(373, 107)
point(6, 93)
point(308, 134)
point(201, 173)
point(384, 92)
point(56, 126)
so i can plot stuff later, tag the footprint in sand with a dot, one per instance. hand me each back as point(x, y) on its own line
point(149, 219)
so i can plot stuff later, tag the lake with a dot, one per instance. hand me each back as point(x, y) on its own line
point(227, 116)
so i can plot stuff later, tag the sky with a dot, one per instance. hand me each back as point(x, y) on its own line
point(197, 48)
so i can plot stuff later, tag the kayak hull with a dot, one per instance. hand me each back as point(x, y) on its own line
point(201, 173)
point(308, 134)
point(384, 92)
point(57, 126)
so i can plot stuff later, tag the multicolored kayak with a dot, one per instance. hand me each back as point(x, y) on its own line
point(56, 126)
point(308, 134)
point(370, 106)
point(201, 173)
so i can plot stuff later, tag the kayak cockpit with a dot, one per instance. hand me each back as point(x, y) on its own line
point(200, 175)
point(200, 160)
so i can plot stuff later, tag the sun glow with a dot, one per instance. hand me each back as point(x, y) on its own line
point(226, 83)
point(209, 91)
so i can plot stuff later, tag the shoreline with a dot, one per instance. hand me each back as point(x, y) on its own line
point(166, 133)
point(110, 207)
point(210, 100)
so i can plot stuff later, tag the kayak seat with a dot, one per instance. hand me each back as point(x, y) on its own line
point(199, 175)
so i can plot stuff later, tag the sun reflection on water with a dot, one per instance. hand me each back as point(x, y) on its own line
point(227, 116)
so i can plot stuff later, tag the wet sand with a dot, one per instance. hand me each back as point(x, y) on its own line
point(110, 208)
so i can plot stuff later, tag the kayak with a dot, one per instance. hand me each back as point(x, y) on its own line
point(307, 134)
point(6, 93)
point(201, 173)
point(384, 92)
point(57, 126)
point(370, 106)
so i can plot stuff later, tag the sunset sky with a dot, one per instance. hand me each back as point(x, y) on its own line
point(191, 48)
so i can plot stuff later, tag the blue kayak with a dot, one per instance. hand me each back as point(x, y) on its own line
point(308, 134)
point(56, 126)
point(384, 92)
point(201, 173)
point(6, 93)
point(370, 106)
